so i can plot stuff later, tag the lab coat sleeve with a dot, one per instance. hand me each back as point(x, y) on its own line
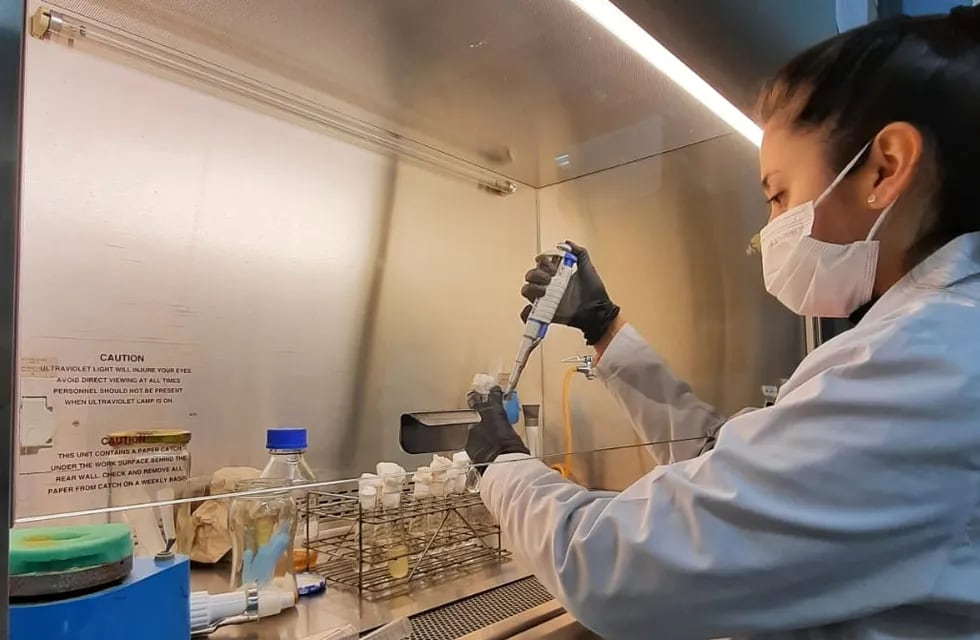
point(843, 499)
point(661, 407)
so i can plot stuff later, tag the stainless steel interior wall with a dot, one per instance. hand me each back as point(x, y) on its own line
point(446, 307)
point(306, 281)
point(669, 236)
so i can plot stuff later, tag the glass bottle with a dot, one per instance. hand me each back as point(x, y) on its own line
point(263, 526)
point(287, 462)
point(144, 466)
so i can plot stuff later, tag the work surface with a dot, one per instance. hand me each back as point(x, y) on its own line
point(338, 607)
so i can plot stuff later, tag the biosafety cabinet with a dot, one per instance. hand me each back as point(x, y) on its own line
point(222, 217)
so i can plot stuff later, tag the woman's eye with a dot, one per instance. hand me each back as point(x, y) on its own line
point(776, 205)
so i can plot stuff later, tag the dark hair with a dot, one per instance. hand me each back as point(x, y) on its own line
point(922, 70)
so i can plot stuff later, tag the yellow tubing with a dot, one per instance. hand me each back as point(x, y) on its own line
point(565, 468)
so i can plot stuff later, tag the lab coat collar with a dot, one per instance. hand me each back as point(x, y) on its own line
point(956, 261)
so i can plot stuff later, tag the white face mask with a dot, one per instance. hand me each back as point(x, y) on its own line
point(815, 278)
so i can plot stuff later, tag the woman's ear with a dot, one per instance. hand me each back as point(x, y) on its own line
point(894, 156)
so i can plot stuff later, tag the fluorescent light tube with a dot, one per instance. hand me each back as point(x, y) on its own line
point(633, 36)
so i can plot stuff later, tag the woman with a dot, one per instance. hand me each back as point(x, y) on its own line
point(849, 508)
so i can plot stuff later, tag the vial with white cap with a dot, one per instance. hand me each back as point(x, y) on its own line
point(418, 527)
point(468, 481)
point(365, 535)
point(393, 537)
point(439, 467)
point(455, 525)
point(462, 463)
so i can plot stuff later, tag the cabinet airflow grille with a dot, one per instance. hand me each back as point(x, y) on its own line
point(482, 610)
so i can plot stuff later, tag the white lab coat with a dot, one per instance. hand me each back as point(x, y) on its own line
point(662, 408)
point(846, 510)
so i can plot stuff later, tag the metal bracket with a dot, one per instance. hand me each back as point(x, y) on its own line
point(586, 365)
point(499, 187)
point(770, 393)
point(434, 431)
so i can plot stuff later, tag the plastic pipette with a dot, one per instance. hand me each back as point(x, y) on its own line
point(542, 313)
point(209, 612)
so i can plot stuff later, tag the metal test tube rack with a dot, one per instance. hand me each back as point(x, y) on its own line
point(459, 538)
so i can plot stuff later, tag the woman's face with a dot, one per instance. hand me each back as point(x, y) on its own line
point(795, 169)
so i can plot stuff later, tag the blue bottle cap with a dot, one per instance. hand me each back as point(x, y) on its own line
point(308, 584)
point(291, 439)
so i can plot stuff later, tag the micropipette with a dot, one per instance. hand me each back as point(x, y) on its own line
point(542, 313)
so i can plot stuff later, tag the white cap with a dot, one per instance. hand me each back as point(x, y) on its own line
point(461, 459)
point(482, 383)
point(422, 489)
point(390, 470)
point(368, 495)
point(369, 480)
point(392, 477)
point(440, 462)
point(423, 475)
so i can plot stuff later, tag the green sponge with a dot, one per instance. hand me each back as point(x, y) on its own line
point(53, 549)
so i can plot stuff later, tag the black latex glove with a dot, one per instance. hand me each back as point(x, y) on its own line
point(494, 436)
point(585, 306)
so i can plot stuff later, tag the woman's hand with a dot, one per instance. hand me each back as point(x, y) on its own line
point(494, 435)
point(585, 306)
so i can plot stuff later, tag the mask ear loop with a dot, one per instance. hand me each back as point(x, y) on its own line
point(843, 174)
point(879, 222)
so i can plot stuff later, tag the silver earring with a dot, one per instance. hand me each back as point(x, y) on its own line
point(872, 199)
